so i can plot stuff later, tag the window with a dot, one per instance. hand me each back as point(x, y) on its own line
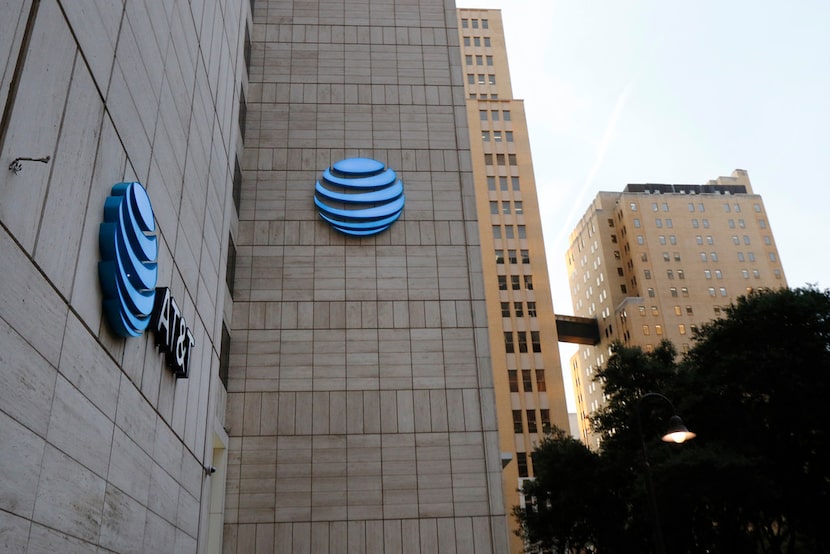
point(623, 289)
point(707, 273)
point(646, 330)
point(673, 291)
point(678, 311)
point(636, 222)
point(523, 346)
point(482, 115)
point(508, 232)
point(471, 79)
point(508, 342)
point(544, 415)
point(531, 309)
point(726, 207)
point(767, 240)
point(527, 381)
point(514, 282)
point(709, 239)
point(494, 208)
point(711, 291)
point(490, 60)
point(646, 272)
point(746, 240)
point(659, 223)
point(742, 224)
point(751, 256)
point(654, 207)
point(491, 182)
point(502, 282)
point(519, 207)
point(699, 239)
point(503, 184)
point(745, 273)
point(508, 135)
point(500, 159)
point(666, 257)
point(655, 311)
point(737, 207)
point(515, 182)
point(670, 274)
point(722, 291)
point(695, 223)
point(481, 80)
point(517, 306)
point(512, 159)
point(772, 257)
point(672, 239)
point(740, 256)
point(497, 136)
point(468, 59)
point(488, 159)
point(485, 24)
point(669, 223)
point(705, 223)
point(525, 256)
point(684, 291)
point(522, 232)
point(505, 207)
point(640, 240)
point(541, 386)
point(513, 380)
point(651, 293)
point(703, 257)
point(658, 329)
point(762, 224)
point(642, 310)
point(491, 79)
point(475, 23)
point(691, 206)
point(681, 329)
point(665, 206)
point(662, 239)
point(521, 463)
point(465, 23)
point(757, 208)
point(535, 341)
point(689, 310)
point(528, 282)
point(681, 274)
point(718, 274)
point(517, 421)
point(499, 256)
point(485, 136)
point(466, 41)
point(714, 256)
point(496, 232)
point(531, 421)
point(479, 60)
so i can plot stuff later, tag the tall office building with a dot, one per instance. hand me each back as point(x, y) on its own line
point(654, 261)
point(361, 410)
point(192, 359)
point(522, 328)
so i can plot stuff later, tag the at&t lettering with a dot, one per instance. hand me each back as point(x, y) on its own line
point(173, 336)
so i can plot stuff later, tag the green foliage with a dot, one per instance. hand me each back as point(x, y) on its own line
point(756, 479)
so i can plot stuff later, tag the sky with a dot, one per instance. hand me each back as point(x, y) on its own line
point(648, 91)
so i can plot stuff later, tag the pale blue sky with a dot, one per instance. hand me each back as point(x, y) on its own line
point(621, 92)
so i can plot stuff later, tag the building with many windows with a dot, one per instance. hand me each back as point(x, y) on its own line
point(527, 374)
point(654, 261)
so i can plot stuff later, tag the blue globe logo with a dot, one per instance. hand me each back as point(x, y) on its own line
point(129, 251)
point(359, 196)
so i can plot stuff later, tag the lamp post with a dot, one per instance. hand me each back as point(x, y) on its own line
point(677, 433)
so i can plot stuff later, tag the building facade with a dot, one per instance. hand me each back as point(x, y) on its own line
point(191, 358)
point(522, 329)
point(654, 261)
point(103, 447)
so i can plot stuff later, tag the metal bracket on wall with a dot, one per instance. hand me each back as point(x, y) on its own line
point(17, 167)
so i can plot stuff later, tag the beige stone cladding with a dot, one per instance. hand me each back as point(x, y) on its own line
point(655, 261)
point(361, 413)
point(101, 448)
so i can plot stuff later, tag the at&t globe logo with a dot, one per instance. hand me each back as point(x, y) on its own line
point(129, 252)
point(359, 196)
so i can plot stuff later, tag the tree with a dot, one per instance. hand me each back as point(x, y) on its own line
point(757, 478)
point(569, 506)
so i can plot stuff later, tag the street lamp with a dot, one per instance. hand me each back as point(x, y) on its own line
point(676, 433)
